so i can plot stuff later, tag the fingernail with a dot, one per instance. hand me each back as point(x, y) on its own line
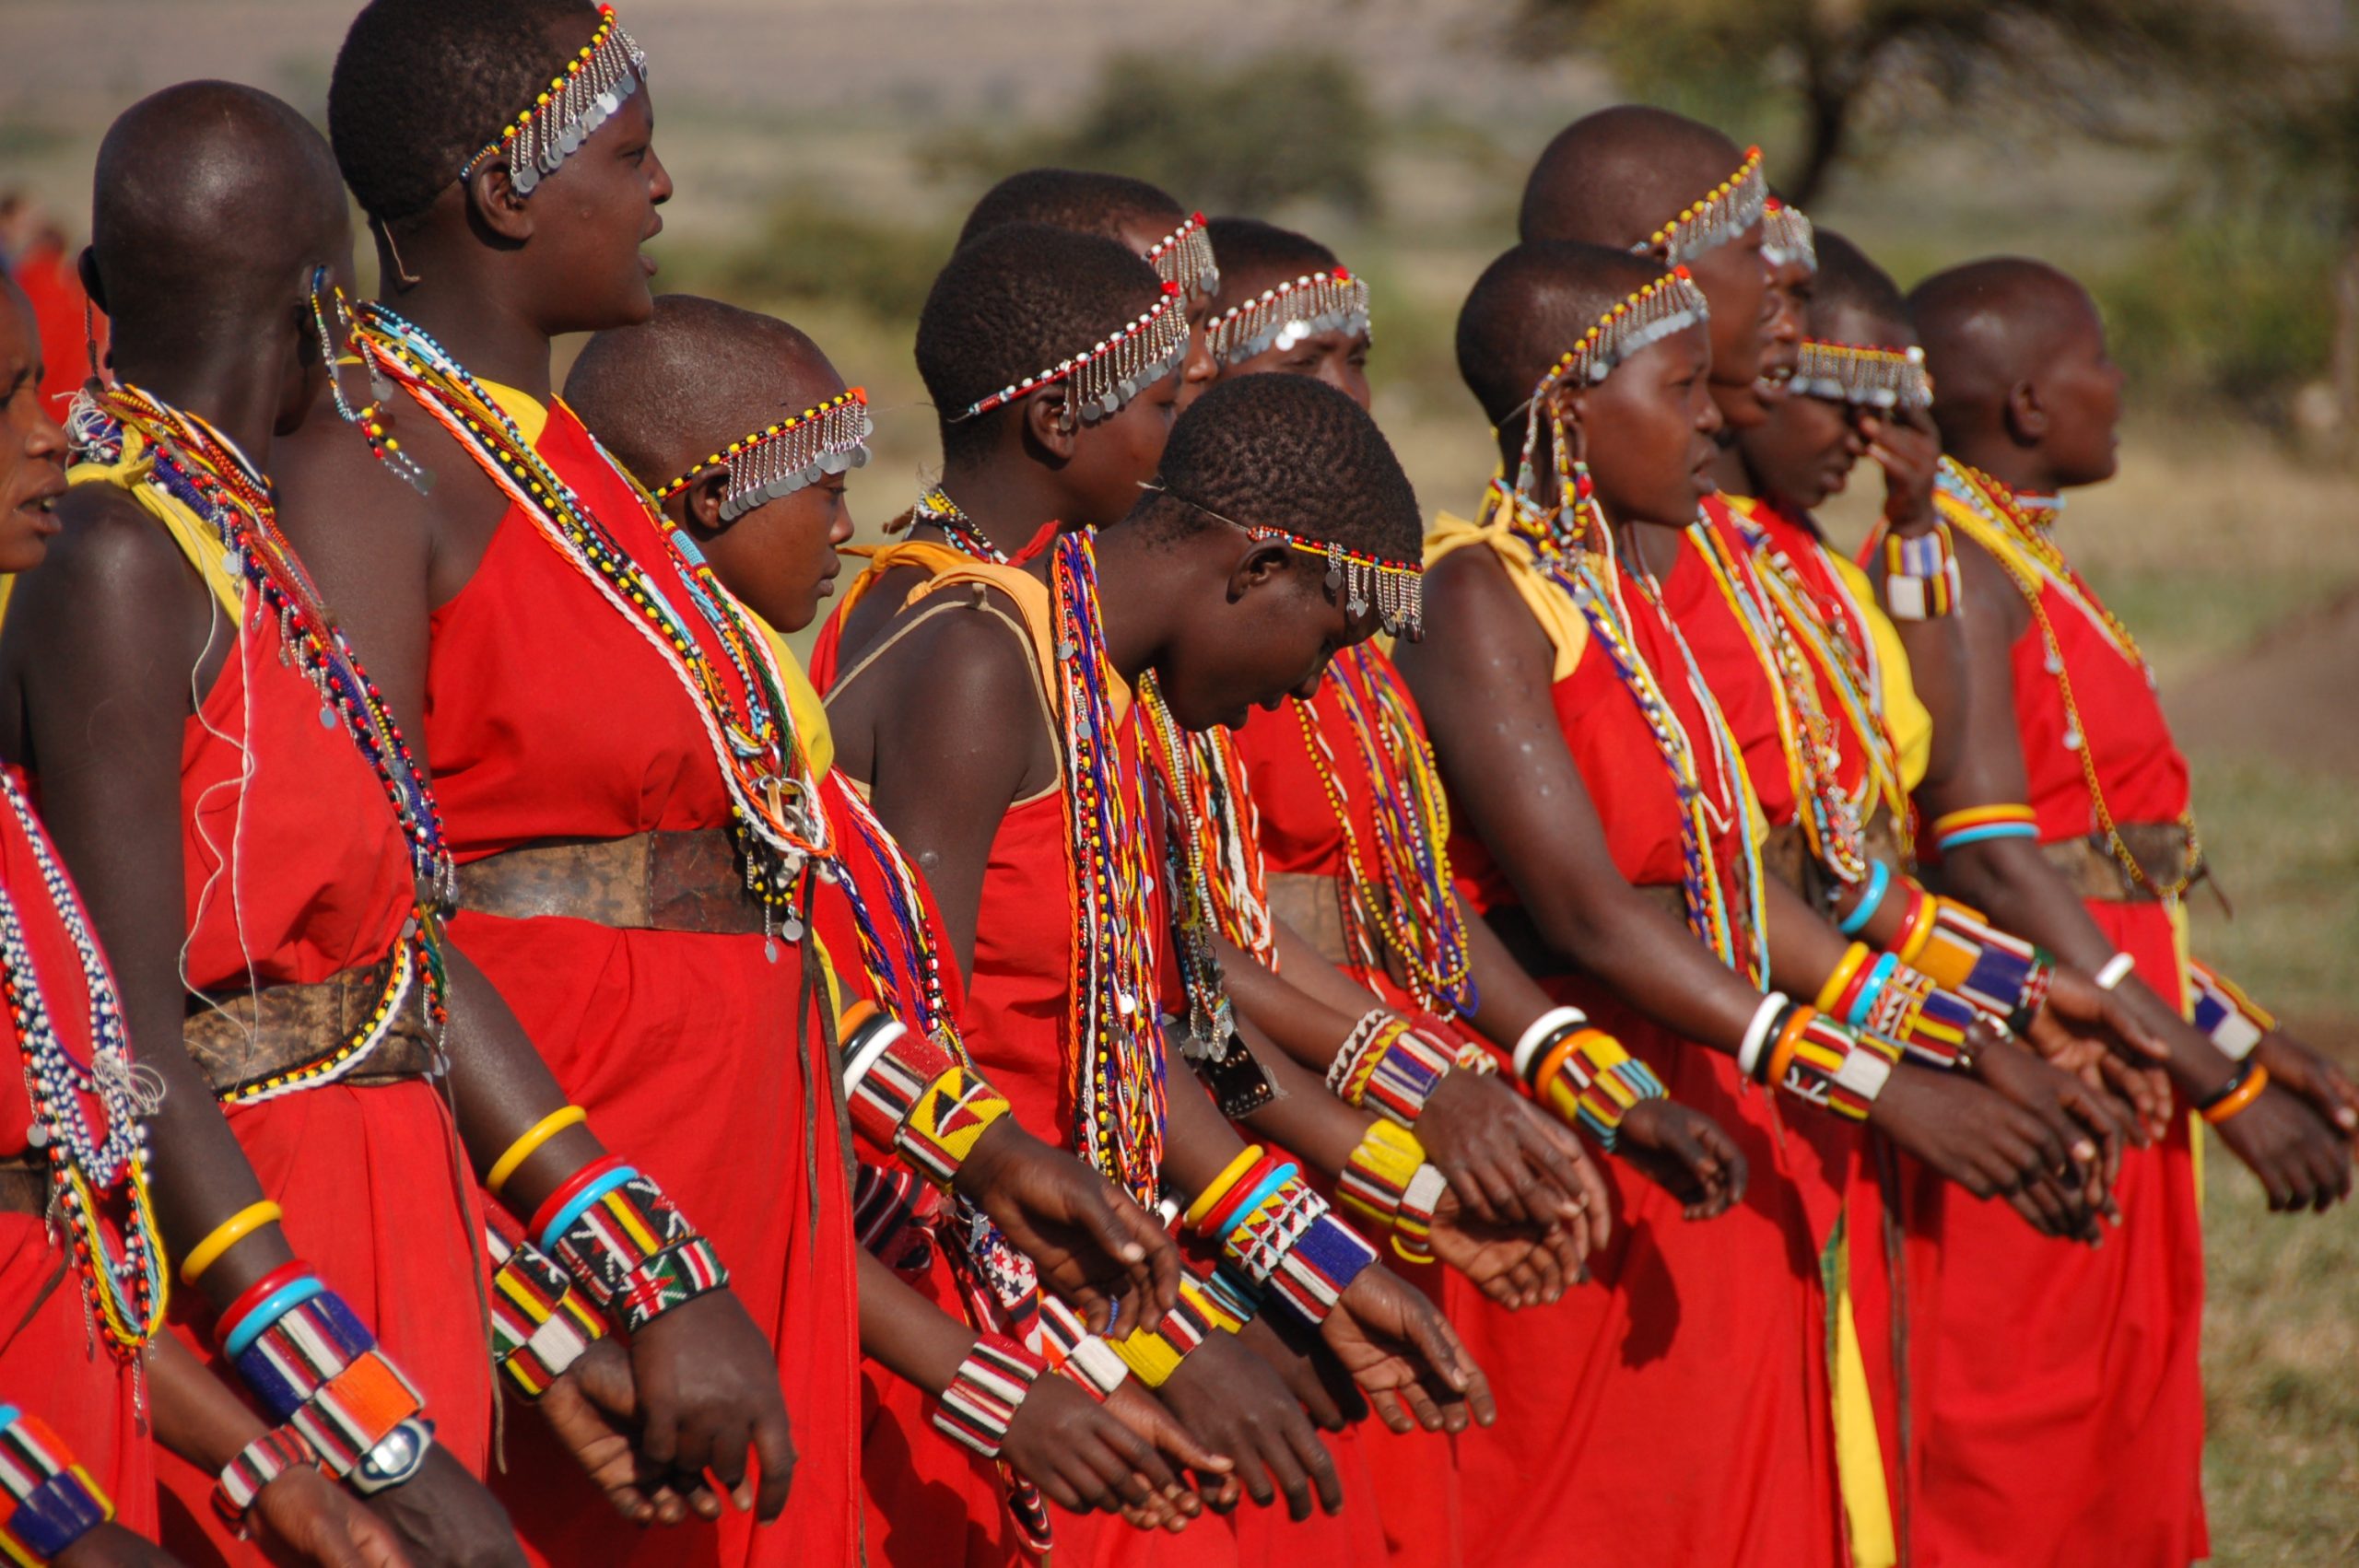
point(1133, 1252)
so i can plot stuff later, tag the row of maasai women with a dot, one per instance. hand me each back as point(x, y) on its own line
point(1597, 1031)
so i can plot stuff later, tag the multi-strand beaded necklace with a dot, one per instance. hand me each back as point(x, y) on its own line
point(92, 1169)
point(774, 803)
point(1406, 906)
point(1994, 518)
point(193, 464)
point(1579, 559)
point(958, 531)
point(1115, 1072)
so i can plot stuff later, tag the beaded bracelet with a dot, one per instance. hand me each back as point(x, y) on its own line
point(1589, 1081)
point(908, 1094)
point(1401, 1076)
point(1356, 1059)
point(947, 1120)
point(540, 1324)
point(316, 1367)
point(2003, 977)
point(1929, 1025)
point(2243, 1087)
point(892, 1216)
point(1065, 1341)
point(989, 1388)
point(1475, 1058)
point(1155, 1354)
point(258, 1464)
point(2233, 1022)
point(54, 1500)
point(626, 1245)
point(1831, 1066)
point(1387, 1182)
point(1286, 1243)
point(1920, 580)
point(1978, 824)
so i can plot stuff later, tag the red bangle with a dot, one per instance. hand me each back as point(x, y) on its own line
point(1921, 909)
point(1216, 1224)
point(557, 1200)
point(253, 1296)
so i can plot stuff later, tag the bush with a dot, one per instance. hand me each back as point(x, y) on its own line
point(812, 249)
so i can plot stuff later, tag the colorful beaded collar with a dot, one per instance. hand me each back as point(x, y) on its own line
point(1279, 318)
point(607, 71)
point(1864, 376)
point(1113, 370)
point(1184, 257)
point(1728, 210)
point(791, 455)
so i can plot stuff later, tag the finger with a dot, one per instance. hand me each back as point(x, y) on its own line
point(1502, 1203)
point(1422, 1406)
point(1059, 1491)
point(659, 1435)
point(2123, 1022)
point(1173, 1439)
point(1138, 1456)
point(1114, 1471)
point(1387, 1409)
point(725, 1444)
point(1118, 1238)
point(1320, 1466)
point(1253, 1472)
point(1562, 1160)
point(774, 1451)
point(1437, 1345)
point(1278, 1454)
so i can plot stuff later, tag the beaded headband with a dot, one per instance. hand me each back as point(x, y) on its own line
point(788, 456)
point(1395, 590)
point(1788, 236)
point(1119, 367)
point(1184, 256)
point(1667, 304)
point(1875, 377)
point(570, 109)
point(1280, 317)
point(1730, 209)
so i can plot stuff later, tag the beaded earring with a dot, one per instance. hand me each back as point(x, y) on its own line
point(371, 419)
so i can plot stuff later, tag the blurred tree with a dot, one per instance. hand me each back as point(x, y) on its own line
point(1243, 139)
point(1850, 70)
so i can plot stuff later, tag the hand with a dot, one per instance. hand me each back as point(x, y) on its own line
point(1092, 1244)
point(1087, 1460)
point(1400, 1350)
point(1908, 448)
point(1979, 1140)
point(446, 1519)
point(2300, 1161)
point(1507, 1161)
point(1311, 1373)
point(2095, 1123)
point(2313, 1077)
point(1686, 1153)
point(111, 1546)
point(1236, 1403)
point(594, 1408)
point(1514, 1265)
point(305, 1514)
point(1130, 1404)
point(2095, 1035)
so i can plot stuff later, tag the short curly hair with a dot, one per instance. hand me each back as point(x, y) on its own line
point(1849, 281)
point(420, 86)
point(1078, 199)
point(1255, 255)
point(1532, 304)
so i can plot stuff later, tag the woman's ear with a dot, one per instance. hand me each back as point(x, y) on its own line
point(1049, 422)
point(2025, 416)
point(1264, 562)
point(497, 203)
point(703, 505)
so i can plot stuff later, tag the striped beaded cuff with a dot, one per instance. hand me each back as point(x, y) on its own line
point(289, 1346)
point(1401, 1077)
point(1065, 1342)
point(1833, 1067)
point(891, 1217)
point(2004, 978)
point(945, 1121)
point(626, 1246)
point(540, 1324)
point(886, 1068)
point(1589, 1081)
point(1920, 579)
point(1388, 1183)
point(1929, 1023)
point(1347, 1075)
point(2234, 1021)
point(258, 1464)
point(355, 1411)
point(982, 1399)
point(52, 1501)
point(1298, 1254)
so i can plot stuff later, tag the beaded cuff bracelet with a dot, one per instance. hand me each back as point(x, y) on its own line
point(989, 1388)
point(625, 1244)
point(2234, 1021)
point(258, 1464)
point(1920, 580)
point(1589, 1081)
point(1281, 1238)
point(947, 1120)
point(1389, 1067)
point(1388, 1183)
point(1155, 1354)
point(540, 1324)
point(52, 1501)
point(2004, 978)
point(891, 1217)
point(1817, 1060)
point(1065, 1341)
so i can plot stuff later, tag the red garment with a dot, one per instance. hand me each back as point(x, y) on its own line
point(693, 1053)
point(52, 1365)
point(2077, 1436)
point(1836, 608)
point(47, 274)
point(1675, 1410)
point(296, 871)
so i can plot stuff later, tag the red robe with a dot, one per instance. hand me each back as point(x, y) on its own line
point(51, 1365)
point(691, 1051)
point(2077, 1436)
point(1675, 1412)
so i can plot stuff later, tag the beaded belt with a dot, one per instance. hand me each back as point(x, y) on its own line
point(1516, 930)
point(2089, 866)
point(665, 881)
point(248, 1038)
point(1785, 855)
point(1312, 906)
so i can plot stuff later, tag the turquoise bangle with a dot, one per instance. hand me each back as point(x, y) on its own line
point(581, 1204)
point(1965, 835)
point(269, 1310)
point(1270, 1184)
point(1864, 1004)
point(1879, 884)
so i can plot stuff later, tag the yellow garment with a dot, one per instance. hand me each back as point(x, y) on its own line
point(195, 537)
point(1903, 712)
point(1567, 634)
point(1859, 1456)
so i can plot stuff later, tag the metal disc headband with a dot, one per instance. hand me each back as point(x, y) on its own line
point(1395, 590)
point(1787, 235)
point(1671, 303)
point(1280, 317)
point(1873, 378)
point(1727, 211)
point(1184, 256)
point(1116, 369)
point(788, 456)
point(569, 112)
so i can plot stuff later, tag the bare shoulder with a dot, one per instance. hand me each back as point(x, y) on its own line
point(954, 686)
point(111, 573)
point(1990, 594)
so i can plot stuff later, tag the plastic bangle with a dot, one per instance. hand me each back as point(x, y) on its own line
point(570, 1187)
point(1781, 1055)
point(1756, 1032)
point(1527, 1044)
point(2118, 968)
point(1217, 1189)
point(226, 1235)
point(2242, 1089)
point(540, 1133)
point(278, 1279)
point(277, 1305)
point(1223, 1213)
point(1871, 985)
point(1844, 968)
point(1879, 884)
point(604, 1183)
point(1263, 1190)
point(1922, 917)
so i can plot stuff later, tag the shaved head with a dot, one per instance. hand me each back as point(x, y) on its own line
point(1856, 302)
point(2020, 370)
point(1534, 304)
point(1614, 177)
point(667, 394)
point(213, 204)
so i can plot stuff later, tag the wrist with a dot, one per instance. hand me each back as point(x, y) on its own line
point(49, 1501)
point(1006, 1140)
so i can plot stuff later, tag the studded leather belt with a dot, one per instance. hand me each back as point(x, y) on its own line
point(687, 881)
point(247, 1039)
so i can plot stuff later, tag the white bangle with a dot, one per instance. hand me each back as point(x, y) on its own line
point(2117, 969)
point(881, 1035)
point(1756, 1032)
point(1542, 1027)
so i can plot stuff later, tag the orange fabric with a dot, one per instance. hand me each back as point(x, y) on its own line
point(690, 1051)
point(827, 646)
point(51, 1365)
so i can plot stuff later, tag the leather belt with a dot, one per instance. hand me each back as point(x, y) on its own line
point(1516, 929)
point(1312, 905)
point(1786, 855)
point(2088, 864)
point(687, 881)
point(247, 1038)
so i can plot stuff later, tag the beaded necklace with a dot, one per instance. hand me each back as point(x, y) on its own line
point(1192, 842)
point(774, 806)
point(958, 531)
point(88, 1167)
point(195, 466)
point(1410, 902)
point(1991, 516)
point(1830, 819)
point(1115, 1075)
point(1737, 935)
point(909, 971)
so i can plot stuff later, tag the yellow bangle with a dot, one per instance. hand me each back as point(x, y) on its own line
point(1832, 992)
point(540, 1133)
point(1218, 1187)
point(226, 1235)
point(1149, 1355)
